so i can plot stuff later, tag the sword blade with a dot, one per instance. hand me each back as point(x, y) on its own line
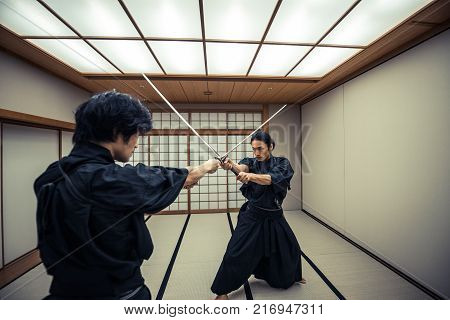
point(181, 117)
point(234, 148)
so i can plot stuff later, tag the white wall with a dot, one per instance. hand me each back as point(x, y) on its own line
point(379, 154)
point(28, 151)
point(285, 131)
point(66, 143)
point(323, 157)
point(28, 89)
point(20, 144)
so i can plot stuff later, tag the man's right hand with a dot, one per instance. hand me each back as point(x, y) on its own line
point(211, 165)
point(196, 173)
point(227, 164)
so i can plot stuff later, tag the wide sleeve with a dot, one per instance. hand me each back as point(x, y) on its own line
point(248, 162)
point(142, 188)
point(281, 174)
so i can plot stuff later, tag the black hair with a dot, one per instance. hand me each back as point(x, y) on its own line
point(264, 137)
point(107, 114)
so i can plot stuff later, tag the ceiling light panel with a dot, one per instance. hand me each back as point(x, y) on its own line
point(229, 58)
point(75, 53)
point(130, 56)
point(277, 60)
point(322, 60)
point(305, 21)
point(26, 17)
point(103, 18)
point(180, 57)
point(237, 19)
point(167, 19)
point(369, 20)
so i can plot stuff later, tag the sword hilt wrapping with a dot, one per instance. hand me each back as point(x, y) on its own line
point(232, 169)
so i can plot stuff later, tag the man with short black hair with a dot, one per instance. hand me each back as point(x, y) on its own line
point(92, 235)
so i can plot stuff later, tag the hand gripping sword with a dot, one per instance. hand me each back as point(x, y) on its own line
point(218, 156)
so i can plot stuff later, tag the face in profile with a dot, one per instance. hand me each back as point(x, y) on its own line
point(124, 150)
point(260, 150)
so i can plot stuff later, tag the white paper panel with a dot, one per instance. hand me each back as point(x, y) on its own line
point(277, 60)
point(95, 18)
point(178, 57)
point(27, 152)
point(26, 17)
point(237, 19)
point(232, 59)
point(371, 19)
point(168, 18)
point(128, 55)
point(305, 21)
point(322, 60)
point(77, 54)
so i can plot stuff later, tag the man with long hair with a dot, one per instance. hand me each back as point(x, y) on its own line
point(262, 244)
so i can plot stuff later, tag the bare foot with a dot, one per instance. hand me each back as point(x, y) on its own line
point(303, 281)
point(222, 297)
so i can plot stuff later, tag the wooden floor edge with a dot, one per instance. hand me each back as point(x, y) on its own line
point(19, 267)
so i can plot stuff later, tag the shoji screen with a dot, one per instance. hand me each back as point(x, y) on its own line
point(162, 120)
point(209, 120)
point(171, 144)
point(27, 152)
point(167, 151)
point(239, 120)
point(211, 194)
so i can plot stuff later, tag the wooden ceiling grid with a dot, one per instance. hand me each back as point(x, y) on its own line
point(431, 20)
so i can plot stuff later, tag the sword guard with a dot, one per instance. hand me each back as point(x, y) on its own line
point(222, 159)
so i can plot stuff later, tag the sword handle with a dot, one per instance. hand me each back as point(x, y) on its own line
point(232, 169)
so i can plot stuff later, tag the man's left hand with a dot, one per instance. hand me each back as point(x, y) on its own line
point(244, 177)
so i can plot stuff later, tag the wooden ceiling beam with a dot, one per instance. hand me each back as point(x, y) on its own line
point(199, 78)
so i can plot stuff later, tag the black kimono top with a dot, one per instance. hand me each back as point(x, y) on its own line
point(92, 235)
point(270, 196)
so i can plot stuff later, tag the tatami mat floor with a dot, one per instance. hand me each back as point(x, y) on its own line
point(351, 271)
point(354, 273)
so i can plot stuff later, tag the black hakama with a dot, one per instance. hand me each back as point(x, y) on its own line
point(262, 244)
